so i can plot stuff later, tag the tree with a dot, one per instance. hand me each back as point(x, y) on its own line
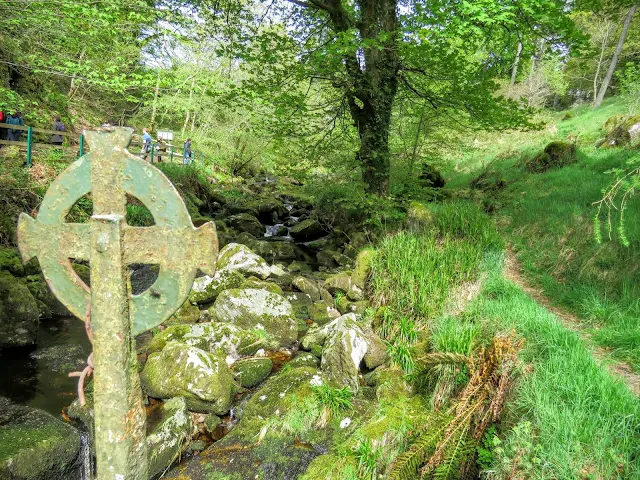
point(616, 55)
point(360, 55)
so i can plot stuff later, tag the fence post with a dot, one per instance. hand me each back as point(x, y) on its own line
point(29, 149)
point(153, 146)
point(171, 160)
point(81, 145)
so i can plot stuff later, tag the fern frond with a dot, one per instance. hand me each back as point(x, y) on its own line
point(406, 465)
point(443, 358)
point(454, 458)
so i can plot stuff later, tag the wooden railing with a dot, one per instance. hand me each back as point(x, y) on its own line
point(135, 148)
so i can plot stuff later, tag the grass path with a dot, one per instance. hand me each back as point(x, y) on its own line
point(513, 272)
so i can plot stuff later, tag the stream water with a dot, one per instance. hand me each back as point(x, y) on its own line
point(38, 376)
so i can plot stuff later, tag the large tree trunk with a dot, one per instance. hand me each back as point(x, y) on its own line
point(372, 79)
point(616, 55)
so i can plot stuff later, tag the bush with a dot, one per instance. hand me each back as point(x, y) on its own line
point(349, 206)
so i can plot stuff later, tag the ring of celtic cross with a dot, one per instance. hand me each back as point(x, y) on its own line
point(110, 174)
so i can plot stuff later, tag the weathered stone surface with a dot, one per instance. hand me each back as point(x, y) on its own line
point(206, 289)
point(203, 379)
point(279, 251)
point(239, 257)
point(258, 310)
point(245, 222)
point(18, 313)
point(296, 266)
point(343, 283)
point(187, 313)
point(62, 358)
point(362, 268)
point(345, 345)
point(304, 359)
point(218, 338)
point(340, 282)
point(333, 259)
point(277, 456)
point(322, 313)
point(253, 282)
point(34, 445)
point(169, 430)
point(307, 230)
point(311, 288)
point(252, 371)
point(348, 306)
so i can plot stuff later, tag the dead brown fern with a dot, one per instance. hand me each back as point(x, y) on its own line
point(447, 450)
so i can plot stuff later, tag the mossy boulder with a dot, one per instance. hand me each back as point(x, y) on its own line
point(269, 209)
point(555, 155)
point(179, 370)
point(346, 305)
point(299, 302)
point(279, 251)
point(311, 288)
point(19, 313)
point(257, 447)
point(238, 257)
point(187, 313)
point(206, 289)
point(254, 282)
point(38, 287)
point(622, 131)
point(254, 309)
point(322, 312)
point(345, 344)
point(252, 371)
point(419, 216)
point(169, 429)
point(362, 268)
point(61, 358)
point(343, 283)
point(10, 261)
point(222, 339)
point(245, 222)
point(35, 445)
point(307, 230)
point(297, 266)
point(333, 259)
point(304, 359)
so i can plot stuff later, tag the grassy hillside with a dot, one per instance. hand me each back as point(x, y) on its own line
point(548, 218)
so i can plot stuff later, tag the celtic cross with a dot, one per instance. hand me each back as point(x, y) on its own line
point(109, 173)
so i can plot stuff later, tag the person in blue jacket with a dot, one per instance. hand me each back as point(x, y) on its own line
point(15, 119)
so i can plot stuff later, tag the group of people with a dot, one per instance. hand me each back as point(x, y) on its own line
point(161, 148)
point(11, 134)
point(15, 134)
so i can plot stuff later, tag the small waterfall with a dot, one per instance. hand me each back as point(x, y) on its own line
point(86, 459)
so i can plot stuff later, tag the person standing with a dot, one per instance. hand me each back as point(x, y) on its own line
point(146, 144)
point(3, 131)
point(162, 148)
point(15, 119)
point(58, 126)
point(187, 152)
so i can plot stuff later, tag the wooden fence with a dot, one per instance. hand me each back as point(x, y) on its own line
point(157, 151)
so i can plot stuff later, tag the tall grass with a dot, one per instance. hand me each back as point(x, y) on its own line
point(586, 422)
point(415, 271)
point(548, 218)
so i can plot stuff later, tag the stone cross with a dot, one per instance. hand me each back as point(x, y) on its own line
point(109, 173)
